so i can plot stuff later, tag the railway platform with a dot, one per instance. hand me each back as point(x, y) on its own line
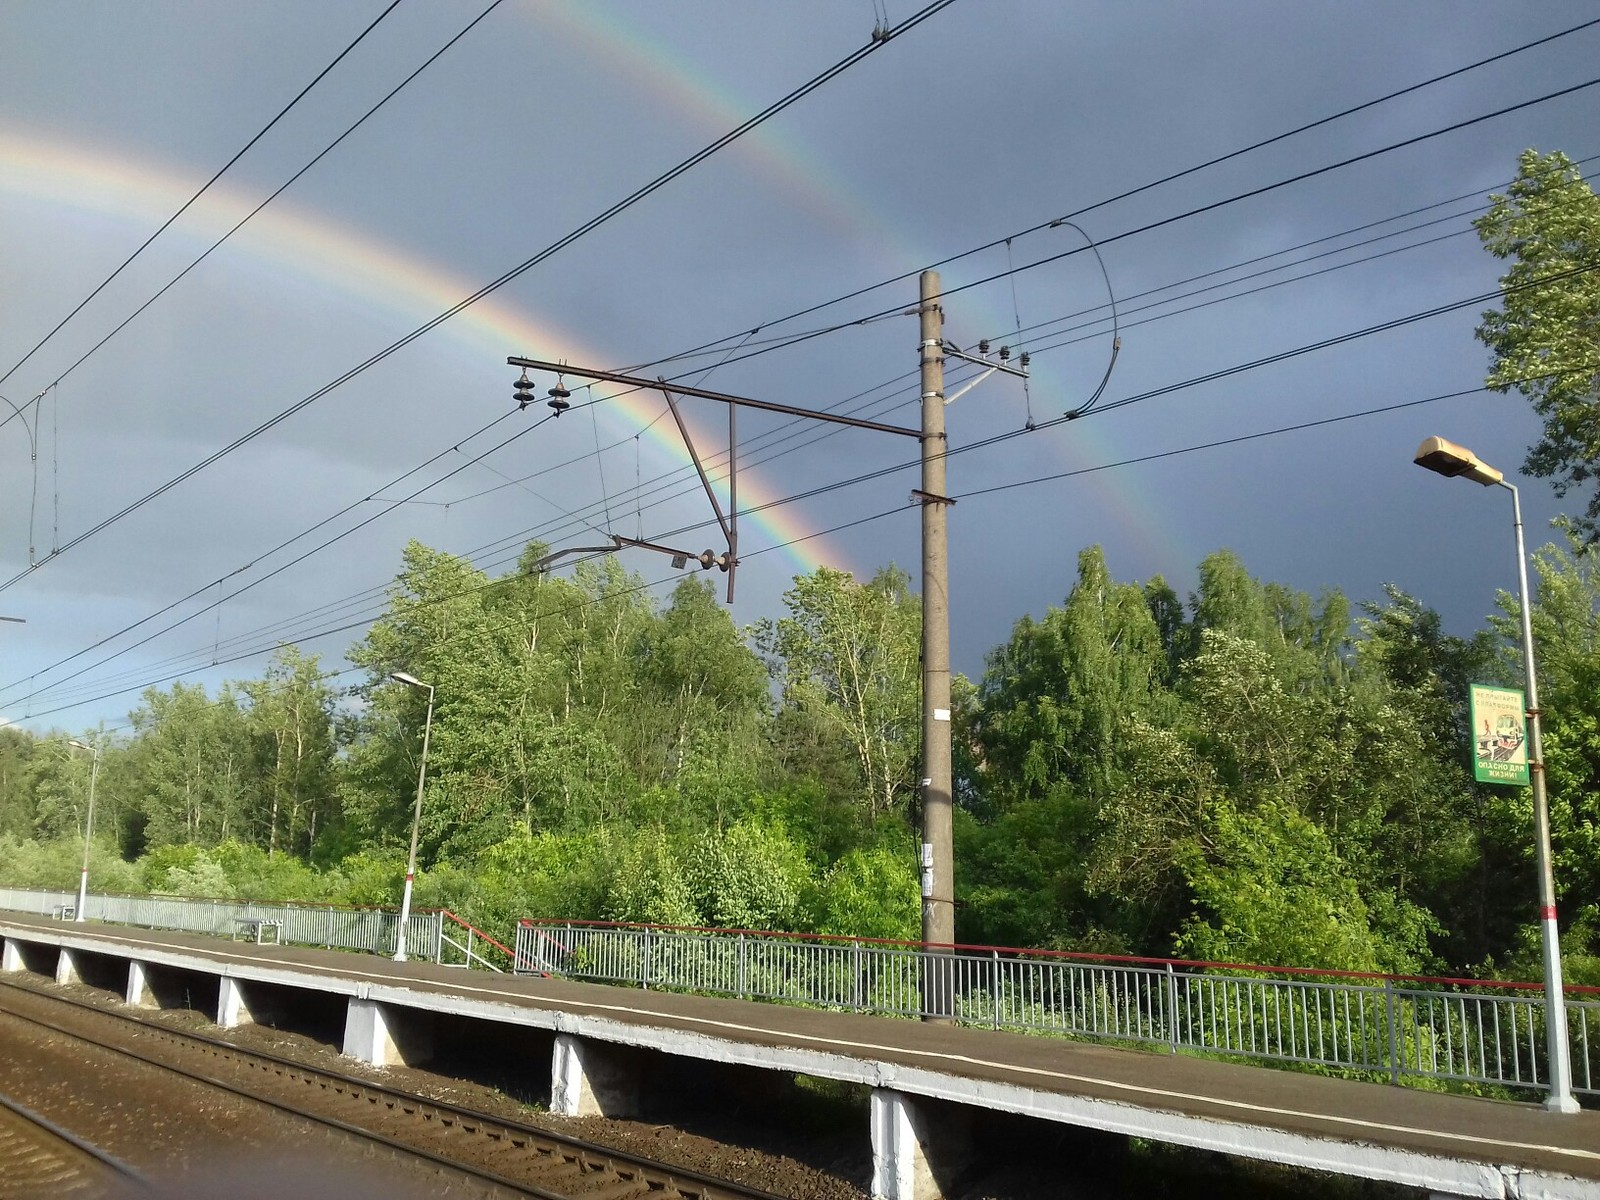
point(928, 1081)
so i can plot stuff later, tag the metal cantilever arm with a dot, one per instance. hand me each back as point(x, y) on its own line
point(541, 564)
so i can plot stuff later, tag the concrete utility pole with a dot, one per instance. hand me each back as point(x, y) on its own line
point(938, 872)
point(938, 858)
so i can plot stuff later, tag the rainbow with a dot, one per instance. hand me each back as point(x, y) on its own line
point(98, 180)
point(94, 180)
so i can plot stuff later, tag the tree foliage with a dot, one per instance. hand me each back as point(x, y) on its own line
point(1545, 337)
point(847, 657)
point(1243, 774)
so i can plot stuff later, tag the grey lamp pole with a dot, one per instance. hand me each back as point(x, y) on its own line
point(1447, 458)
point(416, 818)
point(88, 827)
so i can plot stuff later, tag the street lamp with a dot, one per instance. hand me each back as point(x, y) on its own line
point(1447, 458)
point(416, 819)
point(88, 826)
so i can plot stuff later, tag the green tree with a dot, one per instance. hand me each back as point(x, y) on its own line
point(17, 803)
point(1460, 856)
point(1547, 225)
point(1054, 698)
point(848, 657)
point(291, 720)
point(435, 618)
point(191, 763)
point(1566, 626)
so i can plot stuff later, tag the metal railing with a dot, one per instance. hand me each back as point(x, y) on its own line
point(372, 930)
point(1463, 1031)
point(475, 947)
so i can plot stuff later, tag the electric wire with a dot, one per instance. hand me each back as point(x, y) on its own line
point(185, 206)
point(496, 284)
point(1152, 393)
point(823, 331)
point(58, 549)
point(283, 545)
point(1155, 183)
point(334, 540)
point(853, 523)
point(1157, 456)
point(1424, 208)
point(170, 627)
point(865, 477)
point(1215, 161)
point(283, 187)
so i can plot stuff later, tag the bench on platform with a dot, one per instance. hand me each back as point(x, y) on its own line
point(256, 929)
point(63, 912)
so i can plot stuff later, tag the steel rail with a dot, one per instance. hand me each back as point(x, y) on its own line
point(591, 1157)
point(103, 1163)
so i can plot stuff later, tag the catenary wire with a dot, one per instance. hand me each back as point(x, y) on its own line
point(1201, 166)
point(1166, 287)
point(1155, 183)
point(185, 206)
point(1117, 237)
point(494, 285)
point(661, 180)
point(1163, 222)
point(283, 187)
point(853, 523)
point(1165, 390)
point(878, 473)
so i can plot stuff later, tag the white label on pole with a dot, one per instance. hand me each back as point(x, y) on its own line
point(927, 854)
point(941, 714)
point(927, 882)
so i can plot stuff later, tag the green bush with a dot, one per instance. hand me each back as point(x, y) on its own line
point(870, 894)
point(747, 877)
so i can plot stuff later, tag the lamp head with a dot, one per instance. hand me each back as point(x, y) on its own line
point(80, 745)
point(1447, 458)
point(408, 680)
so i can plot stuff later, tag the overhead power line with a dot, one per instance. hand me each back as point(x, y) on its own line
point(660, 181)
point(824, 489)
point(281, 188)
point(1145, 187)
point(853, 523)
point(1165, 390)
point(205, 187)
point(1161, 223)
point(1042, 226)
point(1231, 441)
point(1125, 236)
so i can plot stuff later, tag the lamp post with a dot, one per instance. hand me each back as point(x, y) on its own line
point(88, 826)
point(416, 818)
point(1447, 458)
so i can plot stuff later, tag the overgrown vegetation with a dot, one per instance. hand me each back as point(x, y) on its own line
point(1250, 774)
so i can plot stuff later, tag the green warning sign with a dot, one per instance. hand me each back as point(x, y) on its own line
point(1499, 735)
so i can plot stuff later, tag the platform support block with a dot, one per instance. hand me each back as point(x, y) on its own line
point(233, 1009)
point(138, 993)
point(587, 1080)
point(11, 956)
point(380, 1036)
point(67, 967)
point(905, 1131)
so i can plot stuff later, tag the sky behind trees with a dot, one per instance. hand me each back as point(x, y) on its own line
point(978, 124)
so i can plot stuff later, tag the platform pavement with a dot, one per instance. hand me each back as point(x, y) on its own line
point(924, 1075)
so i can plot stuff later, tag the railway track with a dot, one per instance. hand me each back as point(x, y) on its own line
point(40, 1159)
point(481, 1154)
